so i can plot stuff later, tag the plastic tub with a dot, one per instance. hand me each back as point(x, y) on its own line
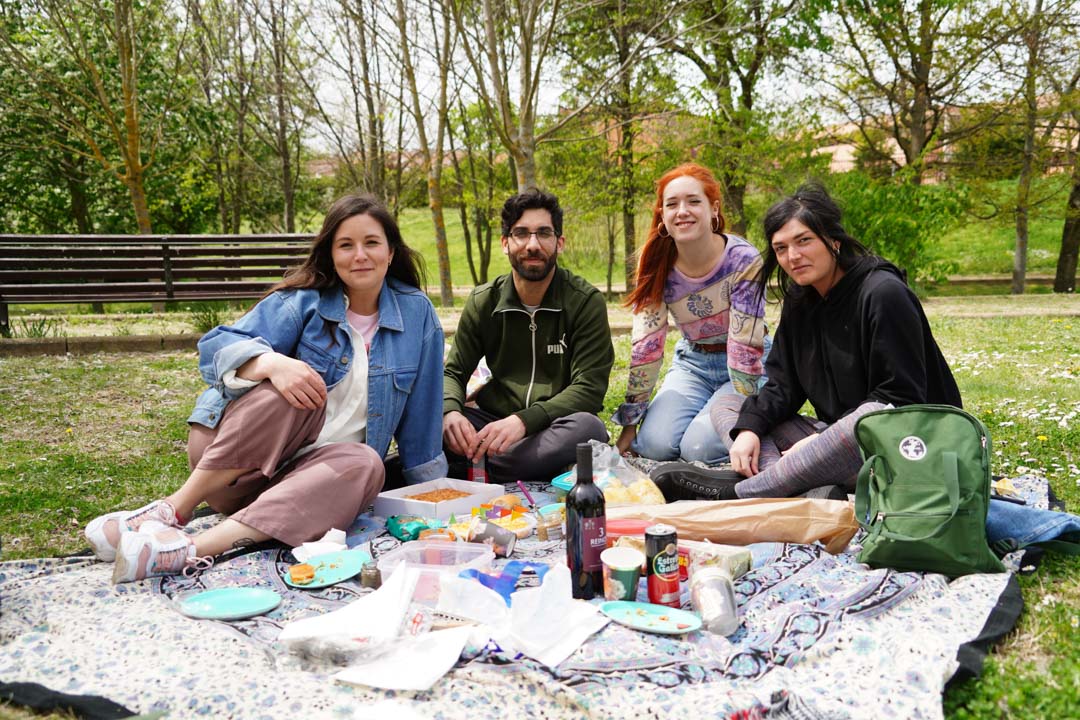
point(438, 556)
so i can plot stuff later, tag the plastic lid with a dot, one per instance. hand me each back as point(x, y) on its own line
point(627, 526)
point(438, 555)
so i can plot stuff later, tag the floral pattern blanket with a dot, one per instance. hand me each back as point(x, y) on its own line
point(830, 637)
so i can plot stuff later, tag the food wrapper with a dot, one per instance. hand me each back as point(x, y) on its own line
point(751, 520)
point(732, 560)
point(622, 484)
point(409, 527)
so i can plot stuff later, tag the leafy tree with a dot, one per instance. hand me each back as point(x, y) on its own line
point(734, 45)
point(905, 67)
point(431, 149)
point(106, 75)
point(481, 179)
point(900, 220)
point(613, 64)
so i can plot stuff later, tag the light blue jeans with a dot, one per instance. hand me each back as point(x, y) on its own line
point(1028, 525)
point(677, 423)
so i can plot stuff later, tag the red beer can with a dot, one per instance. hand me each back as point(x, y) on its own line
point(662, 565)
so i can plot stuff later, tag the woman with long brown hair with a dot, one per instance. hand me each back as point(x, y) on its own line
point(305, 393)
point(704, 279)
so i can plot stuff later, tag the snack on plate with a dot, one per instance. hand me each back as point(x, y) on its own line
point(301, 573)
point(507, 501)
point(437, 496)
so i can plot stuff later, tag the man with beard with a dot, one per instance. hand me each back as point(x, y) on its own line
point(544, 333)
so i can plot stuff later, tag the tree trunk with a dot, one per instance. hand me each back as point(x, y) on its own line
point(1065, 279)
point(525, 163)
point(1032, 39)
point(277, 31)
point(734, 202)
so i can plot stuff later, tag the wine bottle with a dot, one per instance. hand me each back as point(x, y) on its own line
point(586, 529)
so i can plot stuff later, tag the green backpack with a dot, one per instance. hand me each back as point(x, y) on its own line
point(924, 490)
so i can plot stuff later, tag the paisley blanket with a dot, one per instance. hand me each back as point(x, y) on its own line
point(820, 636)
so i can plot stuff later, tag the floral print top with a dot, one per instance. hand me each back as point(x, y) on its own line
point(722, 307)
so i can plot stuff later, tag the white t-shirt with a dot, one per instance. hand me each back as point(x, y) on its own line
point(346, 402)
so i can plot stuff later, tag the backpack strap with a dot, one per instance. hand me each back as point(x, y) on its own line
point(950, 467)
point(865, 508)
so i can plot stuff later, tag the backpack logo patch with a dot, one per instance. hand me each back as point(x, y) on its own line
point(913, 448)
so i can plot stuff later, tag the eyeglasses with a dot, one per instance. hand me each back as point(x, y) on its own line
point(543, 234)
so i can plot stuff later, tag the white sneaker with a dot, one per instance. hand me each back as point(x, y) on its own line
point(104, 532)
point(155, 550)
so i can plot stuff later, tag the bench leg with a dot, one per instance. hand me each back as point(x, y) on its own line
point(5, 326)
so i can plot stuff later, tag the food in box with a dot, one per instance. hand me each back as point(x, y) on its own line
point(398, 502)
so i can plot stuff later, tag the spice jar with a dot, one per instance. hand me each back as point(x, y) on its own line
point(549, 526)
point(370, 577)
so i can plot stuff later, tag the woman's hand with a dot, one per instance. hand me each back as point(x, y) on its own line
point(301, 386)
point(626, 438)
point(744, 453)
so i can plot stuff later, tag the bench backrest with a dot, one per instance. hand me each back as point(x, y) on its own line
point(121, 268)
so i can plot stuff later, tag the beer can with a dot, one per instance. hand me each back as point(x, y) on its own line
point(662, 565)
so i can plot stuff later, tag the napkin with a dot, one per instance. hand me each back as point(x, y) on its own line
point(332, 541)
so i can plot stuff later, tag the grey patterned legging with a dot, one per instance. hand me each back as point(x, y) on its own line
point(833, 458)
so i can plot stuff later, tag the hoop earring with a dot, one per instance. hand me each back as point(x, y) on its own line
point(661, 230)
point(716, 223)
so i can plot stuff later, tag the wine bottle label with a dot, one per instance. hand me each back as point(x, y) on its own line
point(593, 540)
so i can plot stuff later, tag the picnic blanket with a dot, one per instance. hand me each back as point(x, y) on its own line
point(821, 635)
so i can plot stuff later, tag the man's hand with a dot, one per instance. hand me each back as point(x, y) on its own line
point(801, 444)
point(497, 437)
point(626, 438)
point(458, 433)
point(301, 386)
point(744, 453)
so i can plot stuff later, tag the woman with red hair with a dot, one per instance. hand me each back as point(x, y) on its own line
point(704, 279)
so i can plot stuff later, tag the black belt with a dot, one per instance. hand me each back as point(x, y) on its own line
point(713, 348)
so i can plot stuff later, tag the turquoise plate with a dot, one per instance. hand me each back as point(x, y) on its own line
point(332, 568)
point(651, 618)
point(230, 603)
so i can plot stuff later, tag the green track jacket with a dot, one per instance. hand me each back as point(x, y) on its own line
point(546, 367)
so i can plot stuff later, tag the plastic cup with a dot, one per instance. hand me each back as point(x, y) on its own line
point(622, 571)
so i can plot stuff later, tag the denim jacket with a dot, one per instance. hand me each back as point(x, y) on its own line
point(404, 364)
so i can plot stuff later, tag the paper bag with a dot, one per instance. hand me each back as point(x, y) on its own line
point(751, 520)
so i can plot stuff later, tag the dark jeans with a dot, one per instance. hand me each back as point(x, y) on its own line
point(538, 457)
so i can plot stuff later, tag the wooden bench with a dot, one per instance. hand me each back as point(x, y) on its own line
point(141, 268)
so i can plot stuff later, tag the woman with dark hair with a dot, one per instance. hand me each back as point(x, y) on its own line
point(852, 338)
point(306, 391)
point(690, 269)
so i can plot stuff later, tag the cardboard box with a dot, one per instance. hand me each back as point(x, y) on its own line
point(393, 502)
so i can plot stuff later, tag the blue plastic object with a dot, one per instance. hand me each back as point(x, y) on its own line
point(514, 576)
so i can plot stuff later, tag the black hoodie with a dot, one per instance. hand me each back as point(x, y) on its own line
point(867, 340)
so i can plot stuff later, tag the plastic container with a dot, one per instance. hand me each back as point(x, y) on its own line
point(713, 596)
point(438, 556)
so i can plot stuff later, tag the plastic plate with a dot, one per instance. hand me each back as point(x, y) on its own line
point(331, 568)
point(230, 603)
point(651, 618)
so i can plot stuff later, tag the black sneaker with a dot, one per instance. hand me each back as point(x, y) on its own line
point(683, 481)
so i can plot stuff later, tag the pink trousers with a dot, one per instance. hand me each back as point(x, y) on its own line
point(293, 500)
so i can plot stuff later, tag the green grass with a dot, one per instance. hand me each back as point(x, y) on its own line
point(83, 435)
point(984, 243)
